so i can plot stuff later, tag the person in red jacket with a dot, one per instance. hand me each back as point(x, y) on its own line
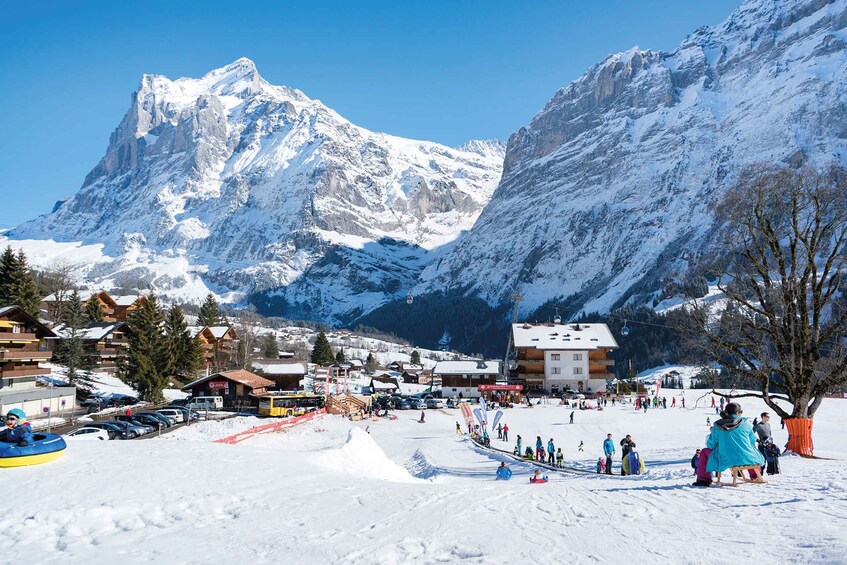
point(505, 432)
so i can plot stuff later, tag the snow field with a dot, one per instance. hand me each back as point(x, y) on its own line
point(326, 491)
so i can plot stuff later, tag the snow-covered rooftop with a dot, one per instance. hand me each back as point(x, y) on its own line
point(219, 331)
point(467, 368)
point(281, 368)
point(126, 300)
point(96, 331)
point(580, 337)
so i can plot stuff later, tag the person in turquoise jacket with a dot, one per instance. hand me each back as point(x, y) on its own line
point(733, 442)
point(503, 472)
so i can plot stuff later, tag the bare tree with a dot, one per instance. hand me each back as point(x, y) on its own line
point(247, 324)
point(786, 235)
point(59, 280)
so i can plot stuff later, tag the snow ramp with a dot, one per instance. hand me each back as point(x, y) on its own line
point(361, 456)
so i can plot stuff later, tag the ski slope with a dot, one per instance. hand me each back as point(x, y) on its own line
point(330, 492)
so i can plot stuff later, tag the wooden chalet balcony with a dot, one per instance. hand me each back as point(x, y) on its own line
point(33, 372)
point(17, 337)
point(602, 362)
point(604, 376)
point(9, 354)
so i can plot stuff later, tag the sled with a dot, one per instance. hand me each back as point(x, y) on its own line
point(537, 481)
point(738, 473)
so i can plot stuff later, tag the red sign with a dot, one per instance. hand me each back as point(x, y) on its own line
point(499, 387)
point(218, 385)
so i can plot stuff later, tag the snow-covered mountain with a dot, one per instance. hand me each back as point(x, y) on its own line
point(609, 187)
point(230, 182)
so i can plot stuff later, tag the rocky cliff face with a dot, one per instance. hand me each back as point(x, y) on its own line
point(609, 187)
point(258, 187)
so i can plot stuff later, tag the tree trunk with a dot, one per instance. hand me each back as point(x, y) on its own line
point(800, 436)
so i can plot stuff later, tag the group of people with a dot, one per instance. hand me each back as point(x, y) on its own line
point(550, 456)
point(631, 462)
point(656, 402)
point(733, 443)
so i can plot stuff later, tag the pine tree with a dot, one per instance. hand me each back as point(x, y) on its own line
point(371, 364)
point(185, 351)
point(210, 314)
point(416, 357)
point(17, 285)
point(94, 310)
point(72, 351)
point(146, 367)
point(339, 357)
point(322, 352)
point(270, 347)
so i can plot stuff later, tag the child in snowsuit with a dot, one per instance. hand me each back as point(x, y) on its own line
point(458, 428)
point(601, 465)
point(560, 458)
point(581, 445)
point(695, 460)
point(17, 430)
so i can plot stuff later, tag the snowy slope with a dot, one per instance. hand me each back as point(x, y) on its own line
point(328, 493)
point(235, 184)
point(609, 187)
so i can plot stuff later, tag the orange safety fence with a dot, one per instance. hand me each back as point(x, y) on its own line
point(273, 427)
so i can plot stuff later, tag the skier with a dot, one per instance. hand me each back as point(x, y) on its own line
point(560, 458)
point(571, 416)
point(499, 431)
point(17, 429)
point(695, 460)
point(506, 432)
point(458, 428)
point(551, 452)
point(608, 450)
point(539, 448)
point(627, 445)
point(581, 446)
point(503, 472)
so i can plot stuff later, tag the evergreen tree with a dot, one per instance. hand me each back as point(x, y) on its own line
point(270, 347)
point(210, 314)
point(185, 351)
point(322, 351)
point(146, 367)
point(17, 284)
point(415, 357)
point(94, 310)
point(371, 364)
point(339, 357)
point(72, 351)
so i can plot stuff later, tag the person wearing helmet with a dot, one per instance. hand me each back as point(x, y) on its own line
point(17, 429)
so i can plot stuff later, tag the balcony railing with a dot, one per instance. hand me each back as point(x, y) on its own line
point(33, 372)
point(20, 336)
point(9, 354)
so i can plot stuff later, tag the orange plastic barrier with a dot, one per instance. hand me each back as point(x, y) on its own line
point(800, 436)
point(273, 427)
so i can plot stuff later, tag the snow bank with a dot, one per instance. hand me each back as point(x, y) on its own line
point(327, 432)
point(214, 429)
point(362, 457)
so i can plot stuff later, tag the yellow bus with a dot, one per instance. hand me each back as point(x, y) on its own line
point(290, 404)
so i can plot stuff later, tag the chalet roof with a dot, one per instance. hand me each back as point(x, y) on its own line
point(240, 376)
point(219, 331)
point(126, 300)
point(281, 368)
point(16, 313)
point(84, 295)
point(467, 368)
point(564, 337)
point(93, 332)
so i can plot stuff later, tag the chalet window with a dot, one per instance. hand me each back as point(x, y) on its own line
point(555, 356)
point(555, 370)
point(577, 356)
point(577, 370)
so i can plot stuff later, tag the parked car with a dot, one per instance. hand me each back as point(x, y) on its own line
point(206, 403)
point(132, 431)
point(150, 420)
point(135, 421)
point(95, 399)
point(167, 422)
point(186, 413)
point(402, 404)
point(174, 413)
point(432, 402)
point(113, 430)
point(179, 401)
point(416, 403)
point(87, 433)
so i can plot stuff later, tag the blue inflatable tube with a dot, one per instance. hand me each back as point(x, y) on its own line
point(44, 448)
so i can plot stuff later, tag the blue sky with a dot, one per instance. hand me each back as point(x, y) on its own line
point(441, 71)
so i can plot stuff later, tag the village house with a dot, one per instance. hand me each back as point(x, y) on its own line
point(285, 376)
point(106, 342)
point(22, 348)
point(114, 308)
point(462, 379)
point(219, 343)
point(238, 388)
point(559, 357)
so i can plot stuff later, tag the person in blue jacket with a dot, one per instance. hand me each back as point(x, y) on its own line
point(551, 452)
point(609, 451)
point(17, 429)
point(733, 442)
point(503, 472)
